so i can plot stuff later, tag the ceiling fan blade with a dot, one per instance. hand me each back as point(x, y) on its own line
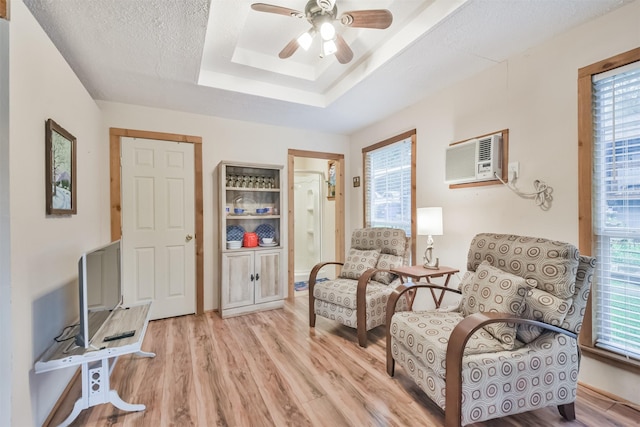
point(374, 18)
point(289, 49)
point(344, 54)
point(270, 8)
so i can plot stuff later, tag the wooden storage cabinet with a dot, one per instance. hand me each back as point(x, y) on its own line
point(251, 278)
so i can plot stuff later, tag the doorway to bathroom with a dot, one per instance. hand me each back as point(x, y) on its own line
point(309, 229)
point(316, 215)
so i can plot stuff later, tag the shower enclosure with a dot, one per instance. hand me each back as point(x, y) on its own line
point(308, 207)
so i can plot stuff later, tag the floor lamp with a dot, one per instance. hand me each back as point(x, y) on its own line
point(430, 224)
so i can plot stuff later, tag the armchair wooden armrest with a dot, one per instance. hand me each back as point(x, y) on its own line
point(391, 309)
point(455, 351)
point(361, 304)
point(312, 282)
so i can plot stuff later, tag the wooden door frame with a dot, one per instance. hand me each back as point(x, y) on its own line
point(339, 209)
point(115, 141)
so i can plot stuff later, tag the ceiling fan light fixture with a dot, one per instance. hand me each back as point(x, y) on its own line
point(323, 15)
point(305, 40)
point(327, 31)
point(329, 48)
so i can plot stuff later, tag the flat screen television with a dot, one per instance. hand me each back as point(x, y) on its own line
point(100, 289)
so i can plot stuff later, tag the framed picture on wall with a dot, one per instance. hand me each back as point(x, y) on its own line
point(331, 180)
point(60, 170)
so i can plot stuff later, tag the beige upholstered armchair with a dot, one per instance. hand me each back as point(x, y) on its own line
point(358, 296)
point(511, 344)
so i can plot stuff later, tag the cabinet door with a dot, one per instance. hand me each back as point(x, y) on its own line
point(237, 288)
point(269, 286)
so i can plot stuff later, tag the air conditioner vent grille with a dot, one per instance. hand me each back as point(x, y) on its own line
point(484, 149)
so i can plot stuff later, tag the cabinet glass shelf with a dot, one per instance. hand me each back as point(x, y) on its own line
point(256, 190)
point(253, 248)
point(232, 216)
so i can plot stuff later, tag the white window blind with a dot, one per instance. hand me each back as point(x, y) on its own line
point(616, 210)
point(388, 186)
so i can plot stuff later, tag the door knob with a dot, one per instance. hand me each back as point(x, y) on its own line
point(189, 237)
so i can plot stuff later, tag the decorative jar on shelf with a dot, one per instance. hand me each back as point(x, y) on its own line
point(250, 240)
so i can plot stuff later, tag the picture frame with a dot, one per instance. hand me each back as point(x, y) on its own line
point(60, 170)
point(331, 180)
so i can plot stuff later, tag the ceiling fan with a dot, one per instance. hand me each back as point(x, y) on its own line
point(322, 14)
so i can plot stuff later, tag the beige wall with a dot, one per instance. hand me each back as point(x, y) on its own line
point(534, 95)
point(44, 250)
point(222, 140)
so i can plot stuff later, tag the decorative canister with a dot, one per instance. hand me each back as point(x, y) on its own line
point(250, 240)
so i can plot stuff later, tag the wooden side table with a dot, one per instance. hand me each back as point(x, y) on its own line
point(417, 272)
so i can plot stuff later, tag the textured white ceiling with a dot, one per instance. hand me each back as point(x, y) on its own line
point(156, 52)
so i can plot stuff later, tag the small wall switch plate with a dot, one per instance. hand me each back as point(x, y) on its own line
point(356, 181)
point(514, 170)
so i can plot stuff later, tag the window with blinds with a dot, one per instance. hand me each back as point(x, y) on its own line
point(616, 210)
point(388, 186)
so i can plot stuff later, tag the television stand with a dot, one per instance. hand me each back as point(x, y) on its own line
point(98, 361)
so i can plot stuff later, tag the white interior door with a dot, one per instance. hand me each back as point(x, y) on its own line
point(158, 225)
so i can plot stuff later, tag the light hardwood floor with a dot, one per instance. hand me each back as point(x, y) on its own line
point(269, 369)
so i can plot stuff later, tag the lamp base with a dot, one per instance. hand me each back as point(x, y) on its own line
point(432, 265)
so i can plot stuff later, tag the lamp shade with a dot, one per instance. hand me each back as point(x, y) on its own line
point(430, 221)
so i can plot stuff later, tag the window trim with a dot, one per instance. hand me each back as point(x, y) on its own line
point(409, 134)
point(585, 218)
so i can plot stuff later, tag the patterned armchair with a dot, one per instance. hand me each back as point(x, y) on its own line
point(511, 344)
point(358, 296)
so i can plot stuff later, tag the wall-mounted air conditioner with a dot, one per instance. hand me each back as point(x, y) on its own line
point(474, 160)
